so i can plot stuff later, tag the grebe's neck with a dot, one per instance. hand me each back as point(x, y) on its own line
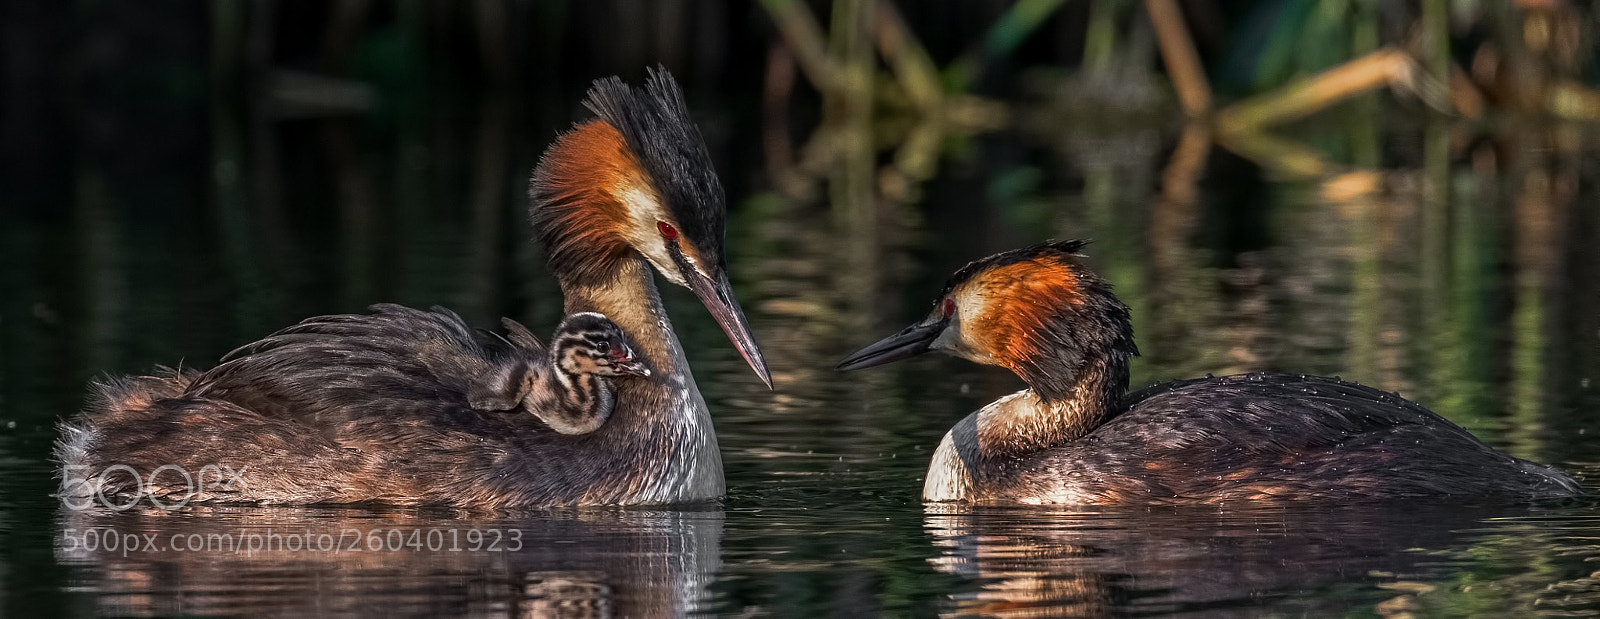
point(1075, 361)
point(627, 295)
point(1026, 422)
point(660, 426)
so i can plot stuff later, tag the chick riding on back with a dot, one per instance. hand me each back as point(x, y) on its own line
point(375, 408)
point(568, 386)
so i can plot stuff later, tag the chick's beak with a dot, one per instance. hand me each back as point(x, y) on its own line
point(630, 366)
point(909, 342)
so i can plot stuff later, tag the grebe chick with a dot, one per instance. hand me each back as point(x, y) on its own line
point(1075, 437)
point(567, 386)
point(375, 407)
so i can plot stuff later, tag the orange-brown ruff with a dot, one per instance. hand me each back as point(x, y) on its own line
point(378, 407)
point(589, 179)
point(1074, 436)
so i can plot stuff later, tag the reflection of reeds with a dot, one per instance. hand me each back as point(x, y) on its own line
point(860, 105)
point(1178, 53)
point(1540, 213)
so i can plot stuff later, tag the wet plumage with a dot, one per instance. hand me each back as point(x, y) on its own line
point(1075, 437)
point(377, 407)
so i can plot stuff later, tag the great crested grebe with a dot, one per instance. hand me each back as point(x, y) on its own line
point(568, 385)
point(376, 408)
point(1075, 437)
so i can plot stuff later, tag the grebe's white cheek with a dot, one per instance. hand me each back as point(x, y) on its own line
point(645, 213)
point(654, 249)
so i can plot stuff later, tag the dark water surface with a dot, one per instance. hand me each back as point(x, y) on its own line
point(1468, 281)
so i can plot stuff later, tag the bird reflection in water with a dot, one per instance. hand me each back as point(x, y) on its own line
point(581, 563)
point(1051, 563)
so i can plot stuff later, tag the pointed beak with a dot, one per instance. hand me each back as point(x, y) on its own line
point(909, 342)
point(630, 366)
point(717, 295)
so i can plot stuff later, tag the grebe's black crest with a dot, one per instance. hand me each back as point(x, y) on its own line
point(655, 123)
point(641, 159)
point(1069, 249)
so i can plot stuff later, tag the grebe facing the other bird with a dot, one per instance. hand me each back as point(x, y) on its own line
point(1074, 436)
point(378, 408)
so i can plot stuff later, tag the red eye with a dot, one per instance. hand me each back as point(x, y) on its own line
point(948, 307)
point(667, 231)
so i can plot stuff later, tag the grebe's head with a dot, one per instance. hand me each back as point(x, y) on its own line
point(589, 343)
point(1038, 311)
point(638, 181)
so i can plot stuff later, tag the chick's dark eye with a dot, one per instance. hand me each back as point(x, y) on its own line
point(667, 231)
point(948, 307)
